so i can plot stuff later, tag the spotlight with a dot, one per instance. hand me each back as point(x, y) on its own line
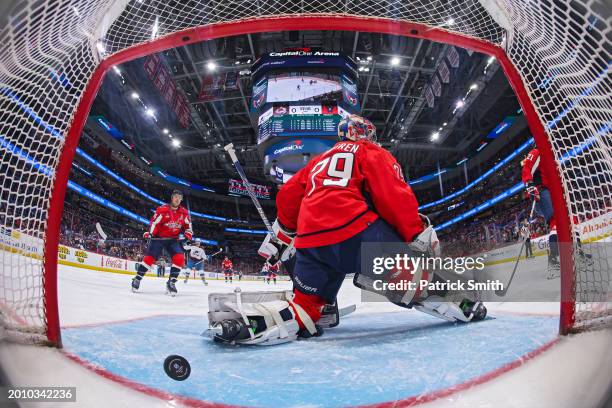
point(395, 61)
point(176, 143)
point(135, 95)
point(211, 66)
point(435, 136)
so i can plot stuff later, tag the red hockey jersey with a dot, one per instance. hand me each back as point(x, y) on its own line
point(227, 264)
point(342, 191)
point(169, 223)
point(532, 171)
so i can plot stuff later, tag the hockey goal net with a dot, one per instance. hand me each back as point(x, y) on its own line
point(556, 54)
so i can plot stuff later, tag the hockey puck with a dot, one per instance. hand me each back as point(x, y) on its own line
point(177, 367)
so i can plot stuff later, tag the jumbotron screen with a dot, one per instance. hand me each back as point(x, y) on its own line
point(299, 121)
point(305, 87)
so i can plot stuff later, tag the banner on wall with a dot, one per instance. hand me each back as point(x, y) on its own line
point(453, 57)
point(444, 72)
point(231, 81)
point(212, 87)
point(170, 92)
point(151, 64)
point(429, 97)
point(436, 87)
point(161, 79)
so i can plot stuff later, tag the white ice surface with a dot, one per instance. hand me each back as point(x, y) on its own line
point(574, 373)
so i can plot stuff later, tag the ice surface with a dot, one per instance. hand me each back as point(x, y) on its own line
point(380, 353)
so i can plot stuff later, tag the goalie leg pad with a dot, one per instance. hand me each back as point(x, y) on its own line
point(264, 318)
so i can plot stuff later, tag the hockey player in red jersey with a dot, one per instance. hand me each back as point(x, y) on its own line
point(168, 222)
point(227, 267)
point(271, 272)
point(353, 194)
point(537, 185)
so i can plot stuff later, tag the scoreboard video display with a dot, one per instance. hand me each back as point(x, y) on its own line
point(299, 125)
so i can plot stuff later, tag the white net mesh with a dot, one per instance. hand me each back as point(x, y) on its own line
point(50, 50)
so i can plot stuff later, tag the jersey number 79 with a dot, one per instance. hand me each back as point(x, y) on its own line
point(338, 168)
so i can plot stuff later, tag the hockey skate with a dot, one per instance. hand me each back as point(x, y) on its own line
point(135, 284)
point(171, 289)
point(204, 281)
point(477, 310)
point(466, 311)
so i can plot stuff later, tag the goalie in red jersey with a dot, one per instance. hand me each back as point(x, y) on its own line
point(168, 222)
point(353, 194)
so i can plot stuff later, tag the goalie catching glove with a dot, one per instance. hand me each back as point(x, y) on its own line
point(278, 247)
point(426, 243)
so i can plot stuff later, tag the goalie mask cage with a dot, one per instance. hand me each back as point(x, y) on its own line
point(555, 54)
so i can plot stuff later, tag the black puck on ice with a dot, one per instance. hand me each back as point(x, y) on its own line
point(177, 367)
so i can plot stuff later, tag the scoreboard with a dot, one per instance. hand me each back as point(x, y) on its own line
point(299, 125)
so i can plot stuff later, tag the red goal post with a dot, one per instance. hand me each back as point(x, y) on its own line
point(55, 56)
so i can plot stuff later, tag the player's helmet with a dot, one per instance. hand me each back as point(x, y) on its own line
point(197, 241)
point(355, 128)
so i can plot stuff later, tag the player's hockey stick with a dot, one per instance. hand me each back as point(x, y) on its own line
point(101, 231)
point(217, 253)
point(232, 153)
point(504, 290)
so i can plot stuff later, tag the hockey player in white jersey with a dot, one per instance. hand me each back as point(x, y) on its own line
point(195, 261)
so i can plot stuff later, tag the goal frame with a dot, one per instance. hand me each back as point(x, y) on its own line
point(302, 22)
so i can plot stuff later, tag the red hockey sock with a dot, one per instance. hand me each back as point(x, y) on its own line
point(148, 260)
point(312, 305)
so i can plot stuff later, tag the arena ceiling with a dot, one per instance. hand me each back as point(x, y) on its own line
point(394, 71)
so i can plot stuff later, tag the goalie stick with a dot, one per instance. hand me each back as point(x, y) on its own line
point(232, 153)
point(502, 292)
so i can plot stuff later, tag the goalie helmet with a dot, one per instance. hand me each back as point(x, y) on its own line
point(355, 128)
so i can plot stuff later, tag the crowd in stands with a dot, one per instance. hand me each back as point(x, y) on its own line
point(497, 226)
point(124, 236)
point(153, 185)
